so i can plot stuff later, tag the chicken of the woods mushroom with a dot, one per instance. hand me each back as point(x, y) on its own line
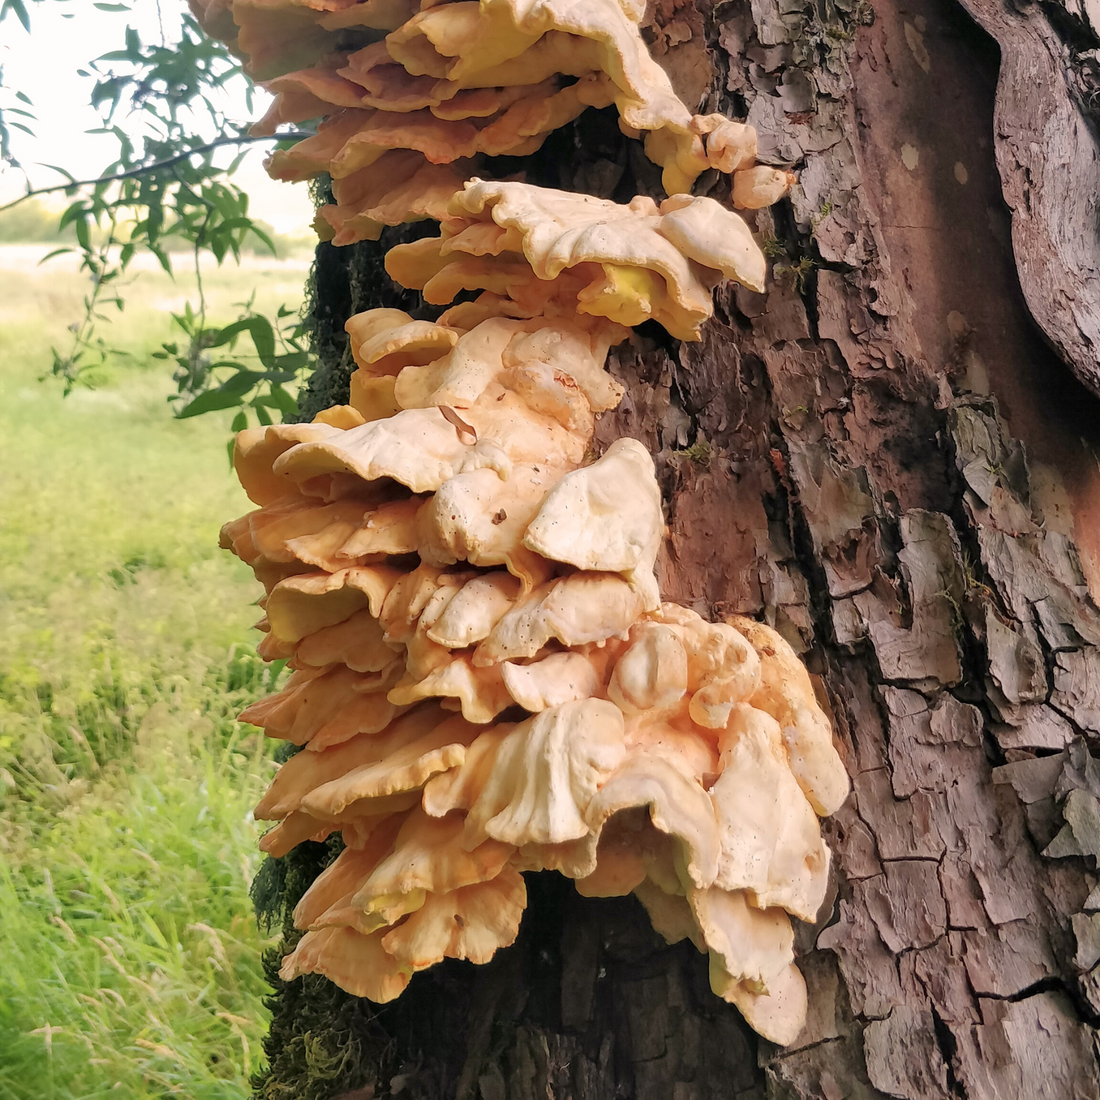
point(415, 98)
point(484, 678)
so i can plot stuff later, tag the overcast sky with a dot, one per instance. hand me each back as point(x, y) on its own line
point(44, 66)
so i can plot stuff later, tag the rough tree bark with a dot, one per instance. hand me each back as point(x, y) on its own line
point(884, 458)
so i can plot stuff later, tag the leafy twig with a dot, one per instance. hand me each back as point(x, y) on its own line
point(164, 184)
point(146, 169)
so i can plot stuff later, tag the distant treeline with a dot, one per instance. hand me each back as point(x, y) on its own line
point(32, 222)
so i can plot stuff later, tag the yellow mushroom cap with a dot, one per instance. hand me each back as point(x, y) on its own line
point(787, 694)
point(335, 886)
point(353, 139)
point(425, 448)
point(771, 840)
point(751, 961)
point(669, 913)
point(306, 772)
point(402, 186)
point(635, 261)
point(778, 1014)
point(678, 805)
point(356, 963)
point(760, 186)
point(280, 36)
point(551, 681)
point(473, 923)
point(302, 605)
point(428, 854)
point(606, 516)
point(324, 708)
point(400, 765)
point(546, 772)
point(574, 610)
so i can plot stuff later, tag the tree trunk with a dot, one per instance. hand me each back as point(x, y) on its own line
point(844, 457)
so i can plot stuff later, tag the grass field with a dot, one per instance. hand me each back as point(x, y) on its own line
point(131, 955)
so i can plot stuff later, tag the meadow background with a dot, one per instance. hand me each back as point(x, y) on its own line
point(131, 955)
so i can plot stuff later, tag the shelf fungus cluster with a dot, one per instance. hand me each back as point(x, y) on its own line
point(418, 97)
point(485, 678)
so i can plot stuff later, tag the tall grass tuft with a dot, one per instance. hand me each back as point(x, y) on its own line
point(127, 847)
point(127, 920)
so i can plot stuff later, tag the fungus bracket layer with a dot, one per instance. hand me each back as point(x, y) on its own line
point(485, 678)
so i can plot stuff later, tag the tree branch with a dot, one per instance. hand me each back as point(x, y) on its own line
point(143, 168)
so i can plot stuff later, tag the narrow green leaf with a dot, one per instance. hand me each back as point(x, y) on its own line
point(75, 210)
point(62, 171)
point(20, 10)
point(259, 328)
point(212, 400)
point(255, 230)
point(284, 402)
point(292, 361)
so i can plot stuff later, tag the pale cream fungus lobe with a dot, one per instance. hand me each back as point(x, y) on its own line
point(627, 263)
point(483, 678)
point(650, 711)
point(416, 98)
